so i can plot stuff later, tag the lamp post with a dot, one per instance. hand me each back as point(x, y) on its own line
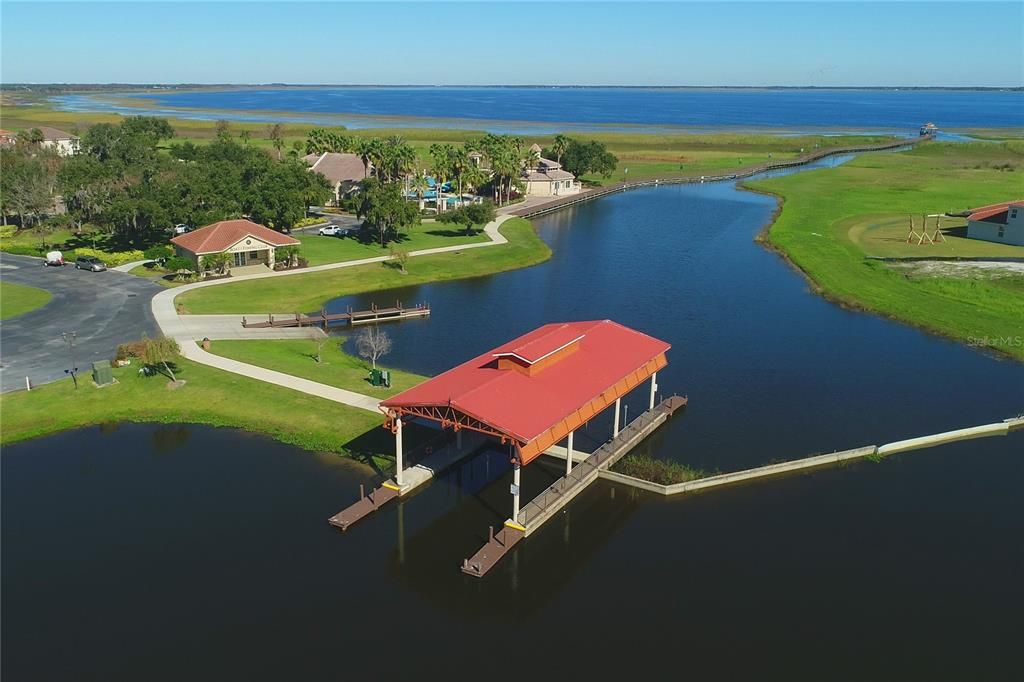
point(69, 340)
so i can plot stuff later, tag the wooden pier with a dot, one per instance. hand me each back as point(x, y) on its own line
point(366, 505)
point(351, 317)
point(562, 491)
point(431, 462)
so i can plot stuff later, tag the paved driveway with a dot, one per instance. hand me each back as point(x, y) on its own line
point(103, 308)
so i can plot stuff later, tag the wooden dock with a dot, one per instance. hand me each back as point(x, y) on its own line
point(562, 491)
point(488, 555)
point(430, 462)
point(351, 317)
point(366, 505)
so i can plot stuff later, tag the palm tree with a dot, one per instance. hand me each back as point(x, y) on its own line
point(559, 146)
point(441, 168)
point(474, 177)
point(276, 135)
point(420, 185)
point(365, 148)
point(460, 164)
point(403, 157)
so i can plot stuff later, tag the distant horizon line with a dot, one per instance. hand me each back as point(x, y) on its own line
point(114, 84)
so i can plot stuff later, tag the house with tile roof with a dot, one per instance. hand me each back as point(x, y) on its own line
point(547, 178)
point(1002, 223)
point(65, 143)
point(344, 172)
point(249, 244)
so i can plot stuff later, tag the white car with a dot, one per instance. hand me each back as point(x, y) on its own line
point(332, 231)
point(181, 228)
point(55, 258)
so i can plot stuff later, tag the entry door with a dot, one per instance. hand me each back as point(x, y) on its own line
point(239, 259)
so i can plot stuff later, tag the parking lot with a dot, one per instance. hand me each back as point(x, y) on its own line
point(102, 309)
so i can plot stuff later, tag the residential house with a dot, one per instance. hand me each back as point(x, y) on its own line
point(343, 171)
point(65, 143)
point(547, 178)
point(1002, 223)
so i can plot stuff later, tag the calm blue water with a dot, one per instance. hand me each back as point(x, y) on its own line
point(171, 552)
point(882, 110)
point(772, 370)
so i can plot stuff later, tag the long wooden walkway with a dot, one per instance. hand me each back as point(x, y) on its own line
point(352, 317)
point(562, 491)
point(802, 160)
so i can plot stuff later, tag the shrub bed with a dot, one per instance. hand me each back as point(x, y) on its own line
point(112, 259)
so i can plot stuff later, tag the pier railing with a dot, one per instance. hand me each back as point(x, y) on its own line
point(585, 472)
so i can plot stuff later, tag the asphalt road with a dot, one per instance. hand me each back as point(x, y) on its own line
point(103, 309)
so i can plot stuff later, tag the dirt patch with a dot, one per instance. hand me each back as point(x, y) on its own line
point(960, 269)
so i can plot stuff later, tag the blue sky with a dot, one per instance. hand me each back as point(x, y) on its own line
point(552, 42)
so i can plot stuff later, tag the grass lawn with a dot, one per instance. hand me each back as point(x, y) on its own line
point(156, 274)
point(297, 357)
point(820, 207)
point(885, 236)
point(210, 396)
point(322, 250)
point(18, 299)
point(306, 292)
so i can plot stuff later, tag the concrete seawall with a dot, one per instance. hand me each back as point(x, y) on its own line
point(1002, 428)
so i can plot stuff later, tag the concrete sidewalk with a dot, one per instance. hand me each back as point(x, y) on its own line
point(189, 329)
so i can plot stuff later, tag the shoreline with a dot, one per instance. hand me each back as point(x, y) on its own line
point(139, 104)
point(741, 174)
point(763, 238)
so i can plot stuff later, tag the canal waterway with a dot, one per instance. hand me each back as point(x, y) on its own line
point(176, 551)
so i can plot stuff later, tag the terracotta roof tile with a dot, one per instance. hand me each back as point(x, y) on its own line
point(225, 234)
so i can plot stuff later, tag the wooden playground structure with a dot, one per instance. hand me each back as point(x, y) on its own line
point(924, 236)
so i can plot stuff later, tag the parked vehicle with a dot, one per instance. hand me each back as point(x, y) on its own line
point(334, 231)
point(54, 258)
point(90, 263)
point(181, 228)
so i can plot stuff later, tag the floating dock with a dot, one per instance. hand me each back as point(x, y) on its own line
point(352, 317)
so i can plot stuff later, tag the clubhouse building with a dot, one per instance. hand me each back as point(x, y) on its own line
point(248, 243)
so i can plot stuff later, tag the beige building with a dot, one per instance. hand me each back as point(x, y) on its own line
point(342, 171)
point(66, 144)
point(547, 178)
point(248, 243)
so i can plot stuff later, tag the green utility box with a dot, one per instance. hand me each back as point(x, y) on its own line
point(101, 373)
point(376, 377)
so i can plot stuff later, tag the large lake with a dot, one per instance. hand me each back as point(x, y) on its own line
point(510, 109)
point(172, 552)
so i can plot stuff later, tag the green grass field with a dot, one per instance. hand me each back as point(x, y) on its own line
point(322, 250)
point(209, 396)
point(885, 236)
point(937, 177)
point(18, 299)
point(307, 292)
point(298, 358)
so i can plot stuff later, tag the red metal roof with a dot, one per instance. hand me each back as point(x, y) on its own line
point(225, 234)
point(538, 387)
point(993, 213)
